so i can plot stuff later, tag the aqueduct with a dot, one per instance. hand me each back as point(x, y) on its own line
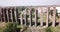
point(10, 14)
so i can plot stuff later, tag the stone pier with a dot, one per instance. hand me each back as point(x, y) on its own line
point(41, 20)
point(15, 12)
point(36, 15)
point(4, 15)
point(47, 16)
point(25, 17)
point(11, 15)
point(0, 14)
point(21, 18)
point(30, 16)
point(54, 16)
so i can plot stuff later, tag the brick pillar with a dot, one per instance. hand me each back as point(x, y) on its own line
point(47, 16)
point(41, 23)
point(30, 16)
point(54, 14)
point(36, 17)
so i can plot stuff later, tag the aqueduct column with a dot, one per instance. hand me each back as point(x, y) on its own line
point(30, 16)
point(0, 14)
point(36, 11)
point(41, 20)
point(4, 15)
point(21, 18)
point(25, 17)
point(7, 14)
point(59, 20)
point(11, 14)
point(54, 14)
point(47, 16)
point(15, 12)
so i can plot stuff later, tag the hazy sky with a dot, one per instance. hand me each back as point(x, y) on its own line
point(28, 2)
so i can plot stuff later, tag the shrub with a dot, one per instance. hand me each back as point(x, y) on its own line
point(48, 29)
point(10, 27)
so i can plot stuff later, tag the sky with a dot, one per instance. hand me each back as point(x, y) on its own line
point(28, 2)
